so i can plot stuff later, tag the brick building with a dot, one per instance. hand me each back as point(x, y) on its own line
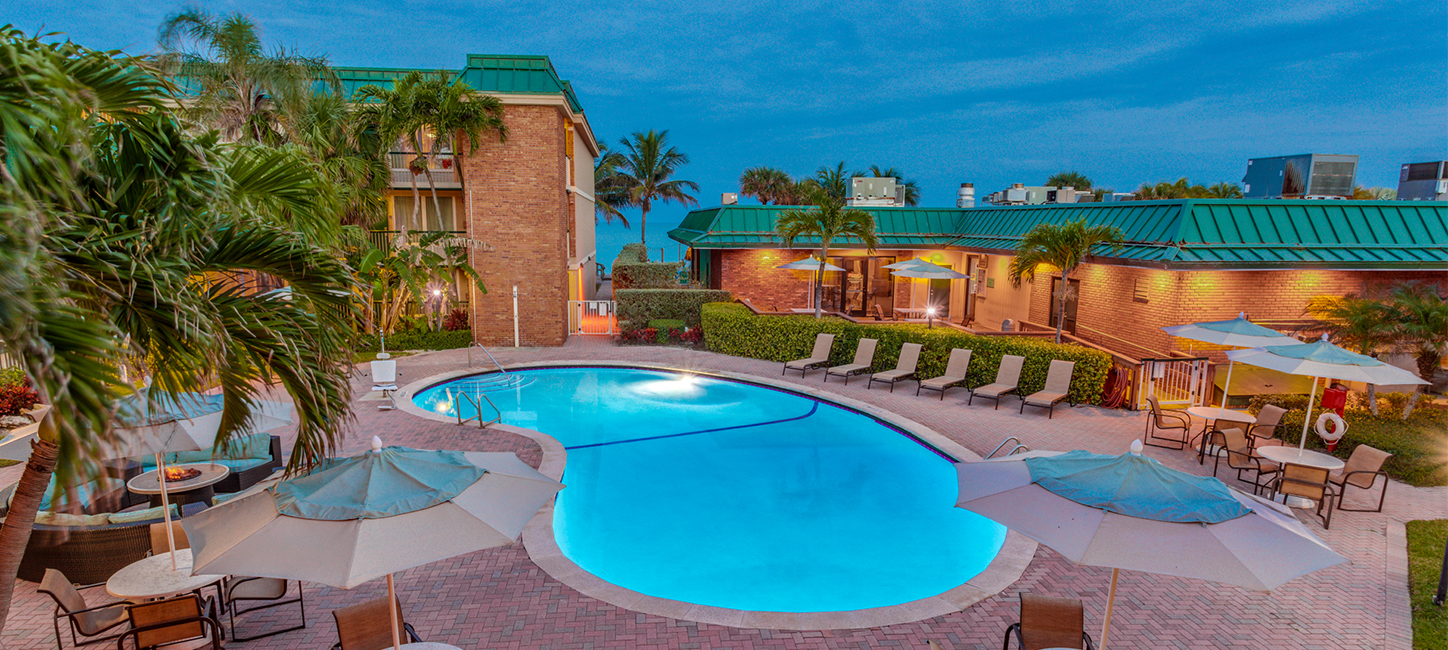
point(1184, 261)
point(529, 199)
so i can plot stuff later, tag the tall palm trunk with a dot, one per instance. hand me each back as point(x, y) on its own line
point(416, 206)
point(644, 224)
point(819, 288)
point(15, 532)
point(1373, 399)
point(1061, 316)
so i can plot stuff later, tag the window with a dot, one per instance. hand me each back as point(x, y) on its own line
point(431, 218)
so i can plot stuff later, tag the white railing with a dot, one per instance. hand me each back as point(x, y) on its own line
point(591, 317)
point(1173, 382)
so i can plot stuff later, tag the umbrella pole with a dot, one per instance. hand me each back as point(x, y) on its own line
point(1110, 603)
point(392, 607)
point(1307, 419)
point(1227, 385)
point(166, 506)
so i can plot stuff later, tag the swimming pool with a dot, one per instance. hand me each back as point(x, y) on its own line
point(735, 495)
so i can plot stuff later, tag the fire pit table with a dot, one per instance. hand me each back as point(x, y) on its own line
point(191, 490)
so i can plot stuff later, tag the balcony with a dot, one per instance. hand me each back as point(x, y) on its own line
point(443, 167)
point(386, 239)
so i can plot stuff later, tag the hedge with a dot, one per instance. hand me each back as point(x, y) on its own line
point(1416, 443)
point(732, 329)
point(636, 307)
point(419, 340)
point(633, 270)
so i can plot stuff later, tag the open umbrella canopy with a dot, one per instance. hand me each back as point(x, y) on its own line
point(1323, 359)
point(922, 269)
point(809, 264)
point(148, 424)
point(1137, 486)
point(1237, 332)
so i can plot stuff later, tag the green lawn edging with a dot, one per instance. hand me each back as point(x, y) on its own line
point(1425, 560)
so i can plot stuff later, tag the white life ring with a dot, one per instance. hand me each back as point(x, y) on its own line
point(1338, 427)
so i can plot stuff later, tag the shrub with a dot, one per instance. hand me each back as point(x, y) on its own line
point(1415, 444)
point(17, 398)
point(13, 377)
point(637, 307)
point(419, 340)
point(457, 319)
point(733, 329)
point(633, 270)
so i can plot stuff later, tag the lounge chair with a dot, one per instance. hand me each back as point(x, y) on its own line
point(1050, 623)
point(1363, 468)
point(955, 370)
point(864, 358)
point(1058, 386)
point(818, 357)
point(909, 357)
point(1008, 377)
point(1160, 419)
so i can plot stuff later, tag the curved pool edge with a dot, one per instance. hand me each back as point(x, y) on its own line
point(1006, 568)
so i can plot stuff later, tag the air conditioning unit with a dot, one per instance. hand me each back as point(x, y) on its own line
point(1442, 187)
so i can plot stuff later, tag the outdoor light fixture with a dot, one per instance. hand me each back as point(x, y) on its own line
point(929, 317)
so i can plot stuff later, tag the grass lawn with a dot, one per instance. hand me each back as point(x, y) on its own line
point(1425, 560)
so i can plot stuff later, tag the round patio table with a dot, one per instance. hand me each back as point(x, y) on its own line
point(191, 490)
point(429, 646)
point(1285, 455)
point(1210, 414)
point(152, 577)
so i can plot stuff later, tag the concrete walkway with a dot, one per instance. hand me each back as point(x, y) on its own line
point(500, 599)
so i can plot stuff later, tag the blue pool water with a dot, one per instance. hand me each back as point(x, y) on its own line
point(734, 495)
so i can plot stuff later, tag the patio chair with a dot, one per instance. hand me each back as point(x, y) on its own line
point(1306, 482)
point(365, 626)
point(84, 619)
point(158, 538)
point(1240, 457)
point(1008, 378)
point(173, 620)
point(1049, 623)
point(1162, 420)
point(880, 312)
point(1058, 386)
point(384, 380)
point(905, 369)
point(1265, 427)
point(271, 591)
point(817, 357)
point(864, 358)
point(1362, 470)
point(955, 370)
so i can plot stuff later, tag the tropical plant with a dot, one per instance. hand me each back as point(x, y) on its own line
point(769, 185)
point(1362, 323)
point(1181, 189)
point(912, 191)
point(391, 115)
point(1061, 246)
point(646, 173)
point(609, 194)
point(355, 160)
point(447, 110)
point(827, 220)
point(238, 87)
point(835, 183)
point(1421, 326)
point(1224, 190)
point(1072, 179)
point(400, 276)
point(1361, 193)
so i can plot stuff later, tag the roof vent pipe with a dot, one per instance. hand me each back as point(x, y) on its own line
point(965, 198)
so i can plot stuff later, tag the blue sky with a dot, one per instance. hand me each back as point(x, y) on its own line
point(984, 92)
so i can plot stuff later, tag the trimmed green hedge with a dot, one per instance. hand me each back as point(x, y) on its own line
point(733, 329)
point(419, 341)
point(636, 307)
point(633, 270)
point(1416, 443)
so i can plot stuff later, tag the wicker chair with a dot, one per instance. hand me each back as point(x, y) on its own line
point(84, 619)
point(1049, 623)
point(238, 481)
point(1362, 470)
point(1238, 452)
point(1163, 420)
point(365, 626)
point(1265, 427)
point(1306, 482)
point(174, 620)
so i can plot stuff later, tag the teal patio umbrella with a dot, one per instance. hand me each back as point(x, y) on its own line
point(1237, 332)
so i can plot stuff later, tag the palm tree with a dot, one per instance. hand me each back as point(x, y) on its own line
point(1362, 323)
point(355, 160)
point(768, 185)
point(834, 182)
point(608, 193)
point(1361, 193)
point(1224, 190)
point(1072, 179)
point(1181, 189)
point(392, 114)
point(1421, 325)
point(449, 109)
point(238, 87)
point(646, 171)
point(131, 269)
point(828, 220)
point(912, 192)
point(1064, 247)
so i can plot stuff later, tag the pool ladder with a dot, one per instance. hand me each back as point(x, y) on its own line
point(477, 408)
point(1020, 447)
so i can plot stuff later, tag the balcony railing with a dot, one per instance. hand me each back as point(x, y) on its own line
point(443, 167)
point(386, 239)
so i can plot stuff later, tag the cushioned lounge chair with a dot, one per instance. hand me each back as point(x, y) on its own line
point(817, 357)
point(1058, 386)
point(909, 358)
point(1008, 378)
point(864, 358)
point(955, 370)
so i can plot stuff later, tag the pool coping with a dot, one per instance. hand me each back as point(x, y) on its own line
point(538, 538)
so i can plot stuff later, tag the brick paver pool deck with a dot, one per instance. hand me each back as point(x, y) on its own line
point(498, 599)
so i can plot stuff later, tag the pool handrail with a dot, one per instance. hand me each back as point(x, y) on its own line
point(1020, 447)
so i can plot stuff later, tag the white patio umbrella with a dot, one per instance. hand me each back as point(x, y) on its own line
point(810, 264)
point(1237, 332)
point(353, 520)
point(923, 270)
point(1321, 359)
point(1132, 512)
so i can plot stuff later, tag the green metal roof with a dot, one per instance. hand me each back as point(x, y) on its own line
point(489, 73)
point(1184, 234)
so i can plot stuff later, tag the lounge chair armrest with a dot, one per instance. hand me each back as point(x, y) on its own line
point(118, 603)
point(1375, 473)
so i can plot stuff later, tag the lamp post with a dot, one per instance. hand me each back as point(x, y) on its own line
point(1442, 594)
point(929, 318)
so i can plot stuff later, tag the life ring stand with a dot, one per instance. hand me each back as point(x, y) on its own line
point(1332, 436)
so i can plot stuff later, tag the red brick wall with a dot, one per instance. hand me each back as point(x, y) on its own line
point(516, 202)
point(752, 274)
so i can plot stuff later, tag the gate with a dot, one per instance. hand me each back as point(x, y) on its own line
point(1179, 382)
point(591, 317)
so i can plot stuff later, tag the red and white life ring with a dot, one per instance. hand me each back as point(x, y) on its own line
point(1337, 430)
